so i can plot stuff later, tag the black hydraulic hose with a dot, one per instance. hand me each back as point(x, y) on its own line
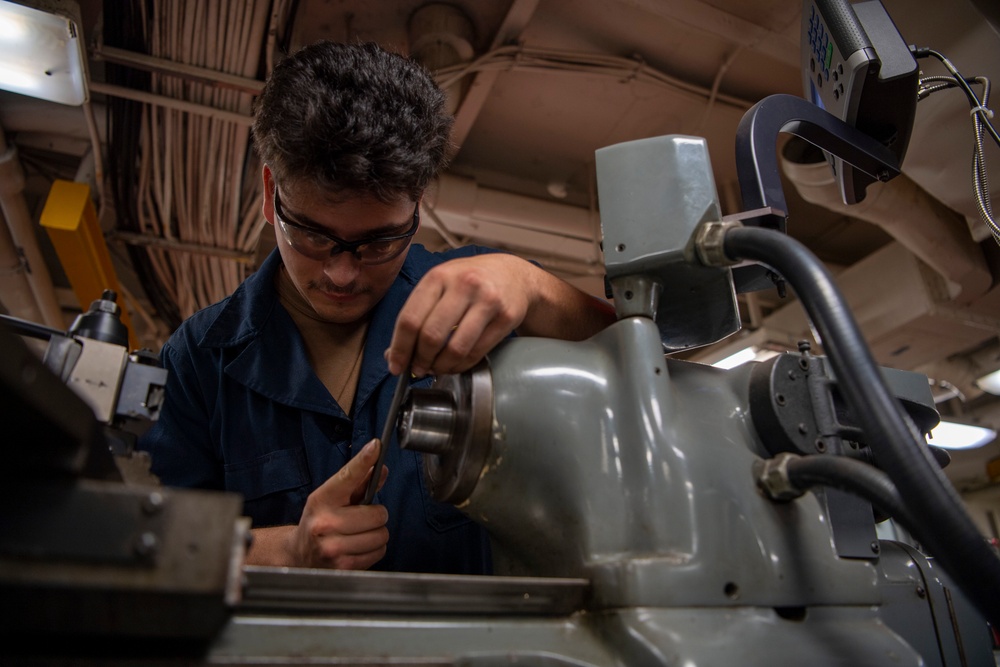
point(853, 476)
point(941, 524)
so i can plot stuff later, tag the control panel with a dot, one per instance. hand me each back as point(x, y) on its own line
point(856, 66)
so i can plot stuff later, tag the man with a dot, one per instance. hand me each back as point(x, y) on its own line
point(274, 392)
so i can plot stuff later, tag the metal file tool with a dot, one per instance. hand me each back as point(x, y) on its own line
point(390, 423)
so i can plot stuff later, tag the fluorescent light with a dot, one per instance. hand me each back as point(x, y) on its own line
point(990, 383)
point(737, 358)
point(951, 435)
point(41, 53)
point(12, 28)
point(752, 353)
point(17, 81)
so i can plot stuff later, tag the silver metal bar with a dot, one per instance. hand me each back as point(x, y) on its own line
point(312, 590)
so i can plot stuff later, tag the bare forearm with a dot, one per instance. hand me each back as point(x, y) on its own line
point(462, 308)
point(562, 311)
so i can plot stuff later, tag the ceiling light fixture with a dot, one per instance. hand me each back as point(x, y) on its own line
point(41, 52)
point(990, 383)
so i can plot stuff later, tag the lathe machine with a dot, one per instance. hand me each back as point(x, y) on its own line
point(643, 510)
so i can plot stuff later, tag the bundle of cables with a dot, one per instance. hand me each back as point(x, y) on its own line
point(981, 116)
point(191, 180)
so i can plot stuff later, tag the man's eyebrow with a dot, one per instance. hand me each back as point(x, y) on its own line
point(393, 228)
point(302, 221)
point(387, 229)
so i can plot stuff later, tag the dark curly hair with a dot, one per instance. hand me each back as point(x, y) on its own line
point(353, 119)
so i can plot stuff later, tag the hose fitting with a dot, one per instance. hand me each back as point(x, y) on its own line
point(773, 479)
point(706, 245)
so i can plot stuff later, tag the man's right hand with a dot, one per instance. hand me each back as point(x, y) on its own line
point(334, 531)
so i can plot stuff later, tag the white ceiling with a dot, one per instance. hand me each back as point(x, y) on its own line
point(538, 86)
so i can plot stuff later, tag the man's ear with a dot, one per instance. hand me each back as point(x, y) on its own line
point(267, 205)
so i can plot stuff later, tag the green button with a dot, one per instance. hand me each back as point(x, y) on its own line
point(829, 55)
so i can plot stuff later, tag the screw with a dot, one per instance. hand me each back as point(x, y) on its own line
point(146, 545)
point(921, 593)
point(820, 446)
point(875, 547)
point(153, 503)
point(779, 399)
point(802, 429)
point(804, 346)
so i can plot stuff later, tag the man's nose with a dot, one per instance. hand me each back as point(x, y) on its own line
point(342, 269)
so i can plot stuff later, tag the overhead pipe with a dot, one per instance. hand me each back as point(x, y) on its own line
point(923, 225)
point(490, 216)
point(19, 233)
point(18, 297)
point(462, 196)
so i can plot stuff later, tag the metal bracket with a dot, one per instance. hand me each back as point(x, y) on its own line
point(757, 153)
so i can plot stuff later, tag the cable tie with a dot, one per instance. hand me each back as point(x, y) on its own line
point(988, 113)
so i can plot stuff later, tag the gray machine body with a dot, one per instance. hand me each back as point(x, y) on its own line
point(608, 462)
point(654, 193)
